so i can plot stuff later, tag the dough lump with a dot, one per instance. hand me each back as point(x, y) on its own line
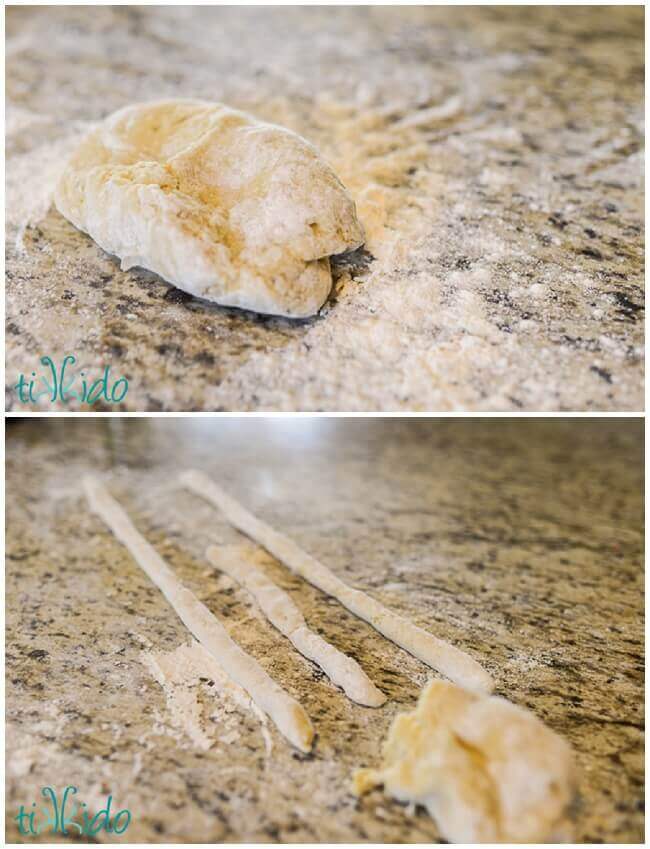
point(223, 206)
point(486, 770)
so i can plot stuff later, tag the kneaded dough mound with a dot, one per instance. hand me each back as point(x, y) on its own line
point(486, 770)
point(221, 205)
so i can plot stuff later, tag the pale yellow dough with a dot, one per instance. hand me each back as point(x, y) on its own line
point(221, 205)
point(345, 672)
point(449, 660)
point(486, 770)
point(288, 714)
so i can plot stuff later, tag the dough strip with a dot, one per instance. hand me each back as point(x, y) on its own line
point(289, 716)
point(450, 661)
point(283, 614)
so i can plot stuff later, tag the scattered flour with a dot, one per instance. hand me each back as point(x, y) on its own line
point(181, 674)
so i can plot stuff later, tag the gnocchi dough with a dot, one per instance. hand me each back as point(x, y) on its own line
point(486, 770)
point(288, 714)
point(223, 206)
point(283, 614)
point(438, 654)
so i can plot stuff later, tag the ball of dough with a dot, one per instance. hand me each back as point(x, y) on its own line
point(223, 206)
point(486, 770)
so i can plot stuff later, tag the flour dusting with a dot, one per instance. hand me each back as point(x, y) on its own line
point(186, 674)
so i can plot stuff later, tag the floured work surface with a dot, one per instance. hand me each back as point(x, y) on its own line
point(543, 585)
point(495, 159)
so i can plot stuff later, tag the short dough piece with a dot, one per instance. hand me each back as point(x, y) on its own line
point(289, 716)
point(486, 770)
point(444, 657)
point(221, 205)
point(283, 614)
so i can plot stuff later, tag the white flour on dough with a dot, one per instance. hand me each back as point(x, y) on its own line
point(486, 770)
point(224, 206)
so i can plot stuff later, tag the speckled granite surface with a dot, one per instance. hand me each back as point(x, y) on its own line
point(520, 541)
point(495, 155)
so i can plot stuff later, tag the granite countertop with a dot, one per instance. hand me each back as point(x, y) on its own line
point(520, 541)
point(495, 156)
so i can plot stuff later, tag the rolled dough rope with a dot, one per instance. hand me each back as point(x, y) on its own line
point(289, 716)
point(450, 661)
point(283, 614)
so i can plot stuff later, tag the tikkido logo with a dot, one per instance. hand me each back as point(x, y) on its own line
point(68, 817)
point(64, 383)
